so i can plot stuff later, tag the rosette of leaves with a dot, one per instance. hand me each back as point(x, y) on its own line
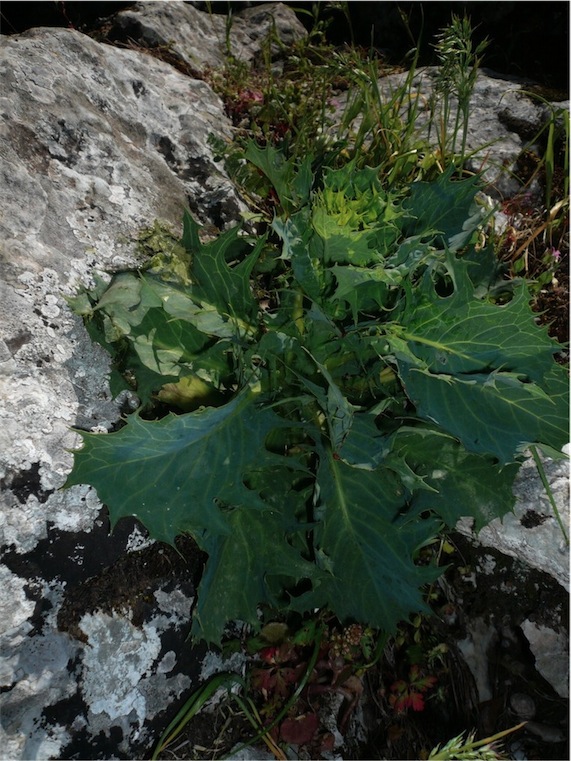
point(344, 386)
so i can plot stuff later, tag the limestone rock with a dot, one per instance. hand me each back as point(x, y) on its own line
point(96, 143)
point(532, 532)
point(551, 651)
point(198, 39)
point(510, 651)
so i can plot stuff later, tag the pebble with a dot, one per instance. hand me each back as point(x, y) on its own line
point(522, 705)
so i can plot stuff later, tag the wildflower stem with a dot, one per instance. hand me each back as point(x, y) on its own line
point(494, 738)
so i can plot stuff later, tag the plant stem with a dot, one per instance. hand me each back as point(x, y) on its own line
point(291, 702)
point(192, 706)
point(254, 718)
point(548, 491)
point(297, 312)
point(540, 229)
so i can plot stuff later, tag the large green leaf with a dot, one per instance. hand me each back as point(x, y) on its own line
point(165, 344)
point(240, 568)
point(364, 446)
point(459, 333)
point(215, 281)
point(184, 306)
point(369, 556)
point(292, 183)
point(337, 243)
point(483, 372)
point(179, 474)
point(496, 413)
point(448, 480)
point(364, 288)
point(296, 234)
point(125, 302)
point(446, 206)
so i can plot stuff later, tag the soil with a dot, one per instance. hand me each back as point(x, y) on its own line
point(98, 575)
point(552, 304)
point(465, 594)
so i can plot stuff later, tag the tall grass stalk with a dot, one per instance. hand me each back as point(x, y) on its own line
point(558, 133)
point(471, 749)
point(381, 129)
point(548, 491)
point(459, 64)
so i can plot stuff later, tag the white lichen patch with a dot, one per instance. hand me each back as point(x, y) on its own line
point(214, 663)
point(116, 658)
point(15, 608)
point(58, 379)
point(159, 689)
point(167, 663)
point(487, 564)
point(40, 742)
point(35, 671)
point(138, 540)
point(175, 605)
point(24, 525)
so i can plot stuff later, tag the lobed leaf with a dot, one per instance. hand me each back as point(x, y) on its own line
point(447, 206)
point(496, 413)
point(240, 568)
point(447, 480)
point(215, 282)
point(180, 474)
point(292, 183)
point(483, 372)
point(459, 333)
point(358, 539)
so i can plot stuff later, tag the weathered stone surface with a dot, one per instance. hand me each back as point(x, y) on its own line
point(533, 537)
point(551, 651)
point(96, 143)
point(511, 653)
point(198, 39)
point(532, 532)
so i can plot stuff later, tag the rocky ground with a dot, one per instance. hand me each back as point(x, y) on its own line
point(98, 140)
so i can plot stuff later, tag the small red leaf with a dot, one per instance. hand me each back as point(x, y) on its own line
point(264, 680)
point(268, 654)
point(425, 683)
point(299, 730)
point(414, 672)
point(416, 701)
point(399, 686)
